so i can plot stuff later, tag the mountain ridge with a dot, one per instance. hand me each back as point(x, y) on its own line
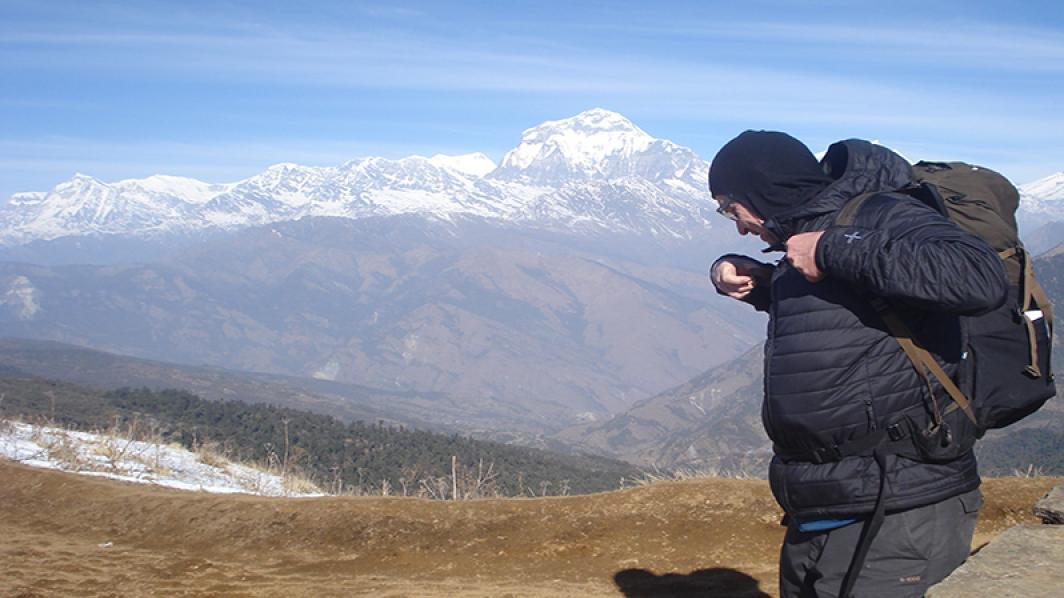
point(1042, 203)
point(593, 171)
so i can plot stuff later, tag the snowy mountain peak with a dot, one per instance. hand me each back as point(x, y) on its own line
point(80, 180)
point(475, 164)
point(596, 145)
point(1050, 188)
point(80, 184)
point(169, 189)
point(284, 166)
point(584, 140)
point(591, 122)
point(1041, 202)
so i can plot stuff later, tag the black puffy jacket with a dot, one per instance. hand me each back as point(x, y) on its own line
point(832, 371)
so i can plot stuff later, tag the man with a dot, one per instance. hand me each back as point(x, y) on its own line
point(856, 431)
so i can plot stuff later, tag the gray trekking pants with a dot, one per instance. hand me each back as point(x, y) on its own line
point(912, 551)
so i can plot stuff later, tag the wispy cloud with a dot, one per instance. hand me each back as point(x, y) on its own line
point(400, 59)
point(396, 61)
point(363, 60)
point(393, 12)
point(970, 45)
point(966, 83)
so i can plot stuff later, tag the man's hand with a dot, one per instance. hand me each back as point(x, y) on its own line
point(801, 253)
point(737, 277)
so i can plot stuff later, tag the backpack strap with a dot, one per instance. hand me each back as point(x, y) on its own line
point(923, 362)
point(1042, 299)
point(848, 213)
point(925, 193)
point(1031, 289)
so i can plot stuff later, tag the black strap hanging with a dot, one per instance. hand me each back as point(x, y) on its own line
point(869, 531)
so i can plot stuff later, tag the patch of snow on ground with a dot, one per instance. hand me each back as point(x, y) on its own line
point(133, 461)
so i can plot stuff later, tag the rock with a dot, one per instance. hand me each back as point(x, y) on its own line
point(1023, 562)
point(1051, 508)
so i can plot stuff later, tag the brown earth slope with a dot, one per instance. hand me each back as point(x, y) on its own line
point(64, 534)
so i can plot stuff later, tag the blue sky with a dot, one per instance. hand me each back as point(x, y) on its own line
point(220, 90)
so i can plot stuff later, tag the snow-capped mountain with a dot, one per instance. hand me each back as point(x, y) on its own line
point(476, 164)
point(1044, 198)
point(597, 144)
point(85, 205)
point(595, 171)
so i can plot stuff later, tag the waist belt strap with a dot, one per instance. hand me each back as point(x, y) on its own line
point(891, 440)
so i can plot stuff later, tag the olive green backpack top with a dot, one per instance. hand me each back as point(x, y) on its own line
point(1006, 371)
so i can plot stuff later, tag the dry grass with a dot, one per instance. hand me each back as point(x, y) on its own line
point(297, 483)
point(1031, 471)
point(66, 535)
point(152, 459)
point(657, 476)
point(114, 450)
point(61, 448)
point(211, 454)
point(119, 445)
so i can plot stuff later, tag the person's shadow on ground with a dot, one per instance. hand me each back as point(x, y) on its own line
point(717, 582)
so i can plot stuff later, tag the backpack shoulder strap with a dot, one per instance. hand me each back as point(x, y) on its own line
point(924, 193)
point(848, 213)
point(924, 362)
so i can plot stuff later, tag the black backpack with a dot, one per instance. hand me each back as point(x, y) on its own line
point(1006, 373)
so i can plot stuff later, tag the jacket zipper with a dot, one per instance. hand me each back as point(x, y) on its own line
point(871, 413)
point(769, 347)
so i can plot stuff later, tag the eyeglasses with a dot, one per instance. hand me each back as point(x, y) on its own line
point(724, 208)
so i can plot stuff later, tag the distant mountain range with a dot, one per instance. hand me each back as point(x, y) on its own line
point(594, 172)
point(1041, 201)
point(538, 297)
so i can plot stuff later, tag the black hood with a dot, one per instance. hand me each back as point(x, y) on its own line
point(769, 172)
point(855, 166)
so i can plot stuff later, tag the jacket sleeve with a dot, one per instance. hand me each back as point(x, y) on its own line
point(761, 296)
point(901, 249)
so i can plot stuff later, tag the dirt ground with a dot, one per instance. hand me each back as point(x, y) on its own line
point(69, 535)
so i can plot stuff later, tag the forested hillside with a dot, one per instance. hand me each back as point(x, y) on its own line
point(358, 457)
